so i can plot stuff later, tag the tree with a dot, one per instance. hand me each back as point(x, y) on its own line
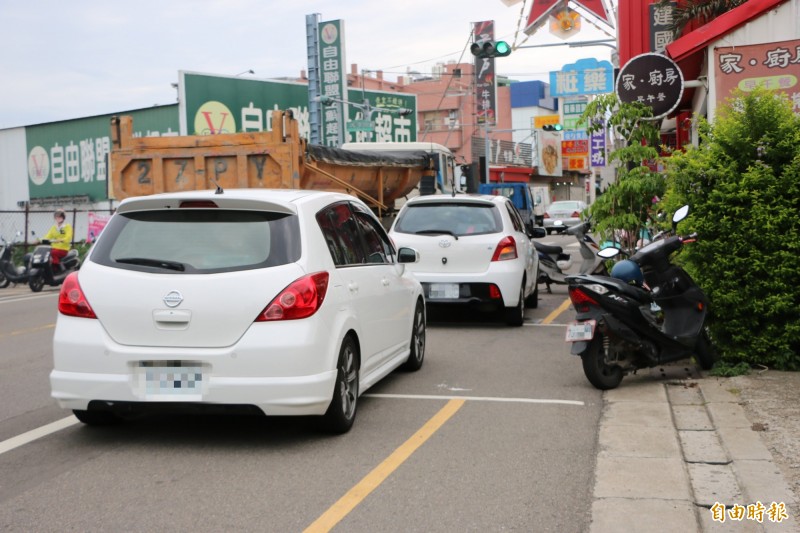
point(743, 186)
point(625, 209)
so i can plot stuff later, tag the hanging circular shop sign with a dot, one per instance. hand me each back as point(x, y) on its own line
point(652, 79)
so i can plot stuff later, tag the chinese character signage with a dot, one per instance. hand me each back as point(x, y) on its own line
point(774, 66)
point(485, 80)
point(585, 76)
point(573, 110)
point(661, 18)
point(651, 79)
point(333, 80)
point(597, 157)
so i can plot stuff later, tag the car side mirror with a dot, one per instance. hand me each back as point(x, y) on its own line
point(407, 255)
point(538, 233)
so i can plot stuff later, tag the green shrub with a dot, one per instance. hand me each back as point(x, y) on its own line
point(743, 185)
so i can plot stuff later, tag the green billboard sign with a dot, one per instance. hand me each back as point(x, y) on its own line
point(67, 161)
point(221, 104)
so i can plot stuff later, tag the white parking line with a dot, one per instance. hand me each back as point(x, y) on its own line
point(474, 398)
point(20, 440)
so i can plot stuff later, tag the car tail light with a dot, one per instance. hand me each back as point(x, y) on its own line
point(494, 292)
point(506, 249)
point(301, 299)
point(581, 300)
point(575, 214)
point(546, 214)
point(198, 204)
point(72, 301)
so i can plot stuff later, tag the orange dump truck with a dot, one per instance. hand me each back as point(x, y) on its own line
point(275, 159)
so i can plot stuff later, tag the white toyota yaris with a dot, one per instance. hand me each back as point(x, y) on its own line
point(475, 250)
point(283, 302)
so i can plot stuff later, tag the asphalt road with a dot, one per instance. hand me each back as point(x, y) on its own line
point(497, 432)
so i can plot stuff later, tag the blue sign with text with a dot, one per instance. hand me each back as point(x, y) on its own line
point(585, 76)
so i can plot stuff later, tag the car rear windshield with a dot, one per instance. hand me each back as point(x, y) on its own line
point(451, 218)
point(565, 206)
point(198, 241)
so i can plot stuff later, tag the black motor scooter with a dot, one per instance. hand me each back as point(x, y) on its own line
point(621, 328)
point(554, 262)
point(42, 272)
point(9, 272)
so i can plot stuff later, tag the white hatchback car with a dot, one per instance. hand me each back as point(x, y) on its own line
point(475, 250)
point(283, 302)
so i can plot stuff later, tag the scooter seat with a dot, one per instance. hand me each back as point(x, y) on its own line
point(548, 249)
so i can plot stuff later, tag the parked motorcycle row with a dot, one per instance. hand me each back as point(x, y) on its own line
point(37, 269)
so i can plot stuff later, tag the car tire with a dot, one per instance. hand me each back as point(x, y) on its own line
point(96, 418)
point(515, 316)
point(599, 374)
point(341, 412)
point(532, 301)
point(417, 354)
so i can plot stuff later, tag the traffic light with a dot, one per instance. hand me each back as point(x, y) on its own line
point(490, 49)
point(552, 127)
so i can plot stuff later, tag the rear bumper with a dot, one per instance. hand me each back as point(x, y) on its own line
point(474, 288)
point(288, 374)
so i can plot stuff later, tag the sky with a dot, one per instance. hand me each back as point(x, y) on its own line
point(61, 59)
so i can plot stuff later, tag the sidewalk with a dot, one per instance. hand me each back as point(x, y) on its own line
point(672, 445)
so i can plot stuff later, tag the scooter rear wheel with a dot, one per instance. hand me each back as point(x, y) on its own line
point(4, 282)
point(600, 374)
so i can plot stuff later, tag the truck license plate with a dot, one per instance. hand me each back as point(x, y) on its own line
point(443, 291)
point(581, 331)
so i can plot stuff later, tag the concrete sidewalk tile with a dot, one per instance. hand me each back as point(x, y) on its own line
point(718, 390)
point(762, 481)
point(728, 415)
point(709, 525)
point(691, 417)
point(702, 447)
point(714, 483)
point(743, 443)
point(629, 477)
point(642, 391)
point(612, 515)
point(651, 414)
point(622, 441)
point(685, 395)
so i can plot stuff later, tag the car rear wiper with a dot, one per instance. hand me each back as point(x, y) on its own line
point(436, 232)
point(160, 263)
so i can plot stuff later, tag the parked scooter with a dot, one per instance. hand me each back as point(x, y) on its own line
point(649, 312)
point(9, 272)
point(554, 262)
point(42, 271)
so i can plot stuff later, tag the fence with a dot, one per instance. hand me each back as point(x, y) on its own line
point(32, 224)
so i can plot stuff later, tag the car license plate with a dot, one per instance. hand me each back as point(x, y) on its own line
point(581, 331)
point(171, 379)
point(443, 291)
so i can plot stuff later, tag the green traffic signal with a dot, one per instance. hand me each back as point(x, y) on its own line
point(490, 49)
point(552, 127)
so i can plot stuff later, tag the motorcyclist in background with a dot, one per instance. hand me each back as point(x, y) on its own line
point(60, 237)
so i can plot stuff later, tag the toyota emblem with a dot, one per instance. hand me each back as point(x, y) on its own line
point(444, 243)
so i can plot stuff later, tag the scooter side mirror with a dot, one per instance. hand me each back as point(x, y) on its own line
point(680, 214)
point(608, 253)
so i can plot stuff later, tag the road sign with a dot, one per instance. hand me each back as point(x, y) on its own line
point(360, 125)
point(652, 79)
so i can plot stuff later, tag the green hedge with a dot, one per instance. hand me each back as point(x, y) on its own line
point(743, 185)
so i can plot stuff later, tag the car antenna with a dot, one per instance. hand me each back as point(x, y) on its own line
point(219, 188)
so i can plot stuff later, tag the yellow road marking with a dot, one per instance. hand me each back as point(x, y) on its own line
point(552, 316)
point(25, 331)
point(371, 481)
